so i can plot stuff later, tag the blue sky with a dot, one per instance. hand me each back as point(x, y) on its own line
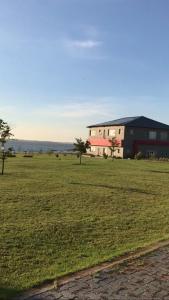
point(65, 64)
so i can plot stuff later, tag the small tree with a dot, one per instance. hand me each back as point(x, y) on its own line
point(138, 156)
point(81, 147)
point(5, 134)
point(114, 146)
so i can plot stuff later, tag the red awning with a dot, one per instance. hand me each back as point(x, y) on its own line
point(101, 142)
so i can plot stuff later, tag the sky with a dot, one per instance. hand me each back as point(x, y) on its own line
point(66, 64)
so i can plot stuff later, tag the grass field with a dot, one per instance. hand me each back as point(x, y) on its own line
point(58, 217)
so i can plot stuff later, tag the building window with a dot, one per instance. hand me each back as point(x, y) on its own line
point(112, 132)
point(93, 148)
point(106, 150)
point(152, 135)
point(163, 136)
point(151, 153)
point(100, 132)
point(92, 132)
point(119, 131)
point(131, 131)
point(118, 150)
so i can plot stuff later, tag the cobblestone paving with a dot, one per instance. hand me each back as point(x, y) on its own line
point(145, 278)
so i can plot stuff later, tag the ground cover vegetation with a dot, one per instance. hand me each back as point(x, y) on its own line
point(58, 216)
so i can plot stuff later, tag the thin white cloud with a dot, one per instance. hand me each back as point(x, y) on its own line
point(92, 108)
point(83, 44)
point(86, 46)
point(89, 109)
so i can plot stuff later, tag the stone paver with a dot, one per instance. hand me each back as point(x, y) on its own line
point(145, 278)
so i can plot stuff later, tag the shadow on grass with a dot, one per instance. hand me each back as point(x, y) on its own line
point(158, 171)
point(5, 175)
point(77, 164)
point(8, 293)
point(133, 190)
point(83, 165)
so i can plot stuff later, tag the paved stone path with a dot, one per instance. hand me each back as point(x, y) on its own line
point(145, 278)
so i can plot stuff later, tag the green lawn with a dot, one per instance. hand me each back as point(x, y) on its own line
point(58, 217)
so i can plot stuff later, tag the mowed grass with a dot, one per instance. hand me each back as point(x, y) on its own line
point(58, 217)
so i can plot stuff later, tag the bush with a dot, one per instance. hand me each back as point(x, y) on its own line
point(105, 156)
point(163, 159)
point(10, 152)
point(138, 156)
point(10, 155)
point(50, 152)
point(28, 155)
point(152, 157)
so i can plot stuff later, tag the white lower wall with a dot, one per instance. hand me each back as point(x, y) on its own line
point(98, 150)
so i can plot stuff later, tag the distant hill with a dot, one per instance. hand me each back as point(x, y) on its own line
point(36, 146)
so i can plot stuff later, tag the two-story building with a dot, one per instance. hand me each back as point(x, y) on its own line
point(134, 134)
